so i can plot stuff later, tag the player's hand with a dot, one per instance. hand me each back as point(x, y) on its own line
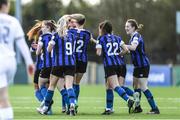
point(31, 69)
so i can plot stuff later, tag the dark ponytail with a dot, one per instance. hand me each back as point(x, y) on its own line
point(106, 27)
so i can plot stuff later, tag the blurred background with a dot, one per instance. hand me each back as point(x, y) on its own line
point(161, 32)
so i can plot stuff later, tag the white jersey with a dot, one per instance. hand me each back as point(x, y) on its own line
point(10, 30)
point(11, 33)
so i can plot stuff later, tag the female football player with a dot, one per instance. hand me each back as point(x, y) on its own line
point(33, 34)
point(109, 46)
point(82, 37)
point(141, 64)
point(11, 33)
point(63, 43)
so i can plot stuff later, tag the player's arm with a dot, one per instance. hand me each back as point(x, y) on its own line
point(39, 46)
point(23, 48)
point(124, 50)
point(93, 40)
point(133, 44)
point(98, 48)
point(51, 44)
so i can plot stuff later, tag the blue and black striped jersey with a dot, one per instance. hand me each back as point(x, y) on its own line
point(46, 56)
point(39, 62)
point(64, 50)
point(82, 37)
point(111, 47)
point(139, 58)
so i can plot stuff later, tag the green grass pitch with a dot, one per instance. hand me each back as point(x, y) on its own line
point(92, 104)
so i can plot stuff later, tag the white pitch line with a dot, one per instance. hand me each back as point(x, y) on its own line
point(99, 98)
point(99, 119)
point(164, 108)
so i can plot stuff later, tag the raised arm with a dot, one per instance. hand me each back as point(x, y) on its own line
point(51, 44)
point(39, 46)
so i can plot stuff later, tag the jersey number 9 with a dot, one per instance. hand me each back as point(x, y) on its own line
point(69, 49)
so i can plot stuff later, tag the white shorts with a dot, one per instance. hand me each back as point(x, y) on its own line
point(7, 70)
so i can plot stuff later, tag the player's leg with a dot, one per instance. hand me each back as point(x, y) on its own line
point(121, 72)
point(47, 102)
point(113, 81)
point(79, 72)
point(109, 99)
point(49, 95)
point(69, 78)
point(76, 85)
point(7, 73)
point(6, 111)
point(63, 92)
point(37, 91)
point(149, 96)
point(44, 79)
point(137, 88)
point(143, 77)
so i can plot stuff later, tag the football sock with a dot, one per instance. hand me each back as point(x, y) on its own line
point(71, 95)
point(128, 91)
point(150, 98)
point(121, 93)
point(109, 98)
point(43, 90)
point(48, 97)
point(39, 95)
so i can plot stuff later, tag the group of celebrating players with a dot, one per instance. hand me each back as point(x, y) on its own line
point(61, 61)
point(61, 50)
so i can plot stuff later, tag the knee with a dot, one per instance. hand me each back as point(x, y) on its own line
point(143, 87)
point(4, 102)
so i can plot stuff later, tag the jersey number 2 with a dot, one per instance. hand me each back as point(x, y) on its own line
point(79, 46)
point(4, 33)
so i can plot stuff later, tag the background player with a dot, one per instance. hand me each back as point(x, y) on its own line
point(33, 35)
point(10, 33)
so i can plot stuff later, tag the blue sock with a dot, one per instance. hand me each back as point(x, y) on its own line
point(63, 103)
point(48, 97)
point(65, 97)
point(39, 95)
point(109, 98)
point(121, 93)
point(71, 95)
point(150, 99)
point(128, 91)
point(43, 90)
point(77, 90)
point(139, 91)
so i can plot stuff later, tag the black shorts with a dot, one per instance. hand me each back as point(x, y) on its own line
point(80, 67)
point(121, 71)
point(61, 71)
point(36, 76)
point(45, 72)
point(142, 72)
point(115, 70)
